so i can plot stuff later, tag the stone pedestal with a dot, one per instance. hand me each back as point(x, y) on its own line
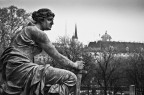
point(132, 89)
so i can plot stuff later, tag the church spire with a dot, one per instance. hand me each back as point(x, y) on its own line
point(75, 36)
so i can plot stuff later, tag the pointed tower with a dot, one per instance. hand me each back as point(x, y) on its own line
point(75, 36)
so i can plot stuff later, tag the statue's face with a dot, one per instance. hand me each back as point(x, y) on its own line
point(47, 23)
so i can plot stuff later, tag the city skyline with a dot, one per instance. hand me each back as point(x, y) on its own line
point(122, 19)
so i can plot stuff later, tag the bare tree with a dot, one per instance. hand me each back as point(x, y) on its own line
point(107, 69)
point(73, 50)
point(134, 72)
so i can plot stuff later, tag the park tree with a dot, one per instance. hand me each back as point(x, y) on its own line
point(75, 51)
point(107, 71)
point(11, 20)
point(134, 71)
point(118, 81)
point(69, 48)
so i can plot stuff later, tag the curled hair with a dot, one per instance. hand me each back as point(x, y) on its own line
point(41, 14)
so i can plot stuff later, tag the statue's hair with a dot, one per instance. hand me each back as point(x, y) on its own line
point(41, 14)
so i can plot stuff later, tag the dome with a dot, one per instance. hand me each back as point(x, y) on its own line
point(106, 37)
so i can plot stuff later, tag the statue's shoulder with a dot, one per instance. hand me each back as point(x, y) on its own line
point(31, 27)
point(35, 33)
point(32, 30)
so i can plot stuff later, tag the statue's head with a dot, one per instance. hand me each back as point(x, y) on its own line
point(41, 14)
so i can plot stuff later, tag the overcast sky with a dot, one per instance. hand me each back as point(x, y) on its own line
point(123, 19)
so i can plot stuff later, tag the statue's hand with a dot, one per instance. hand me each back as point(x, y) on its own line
point(79, 65)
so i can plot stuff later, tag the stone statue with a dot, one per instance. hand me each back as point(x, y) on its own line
point(21, 75)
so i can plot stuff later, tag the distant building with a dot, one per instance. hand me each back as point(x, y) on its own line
point(123, 47)
point(106, 37)
point(120, 47)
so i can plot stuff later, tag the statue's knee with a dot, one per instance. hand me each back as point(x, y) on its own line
point(74, 77)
